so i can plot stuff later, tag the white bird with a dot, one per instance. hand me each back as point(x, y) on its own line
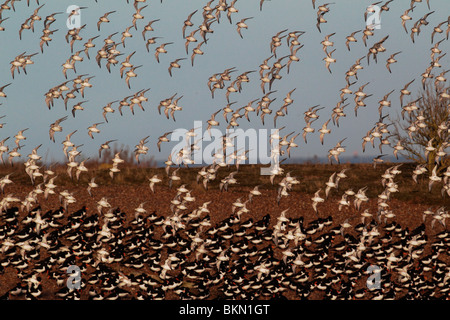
point(173, 177)
point(103, 203)
point(93, 129)
point(360, 197)
point(317, 199)
point(19, 136)
point(4, 181)
point(419, 170)
point(114, 169)
point(153, 180)
point(140, 209)
point(116, 160)
point(340, 175)
point(81, 168)
point(343, 202)
point(49, 186)
point(56, 127)
point(345, 225)
point(324, 130)
point(254, 192)
point(91, 185)
point(330, 184)
point(433, 178)
point(364, 215)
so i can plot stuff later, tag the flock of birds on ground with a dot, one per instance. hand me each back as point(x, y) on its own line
point(237, 258)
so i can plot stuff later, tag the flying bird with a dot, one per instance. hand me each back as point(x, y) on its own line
point(391, 60)
point(188, 23)
point(405, 17)
point(161, 49)
point(104, 19)
point(174, 64)
point(148, 28)
point(104, 146)
point(131, 74)
point(153, 180)
point(351, 38)
point(329, 60)
point(317, 199)
point(93, 129)
point(2, 93)
point(56, 127)
point(162, 139)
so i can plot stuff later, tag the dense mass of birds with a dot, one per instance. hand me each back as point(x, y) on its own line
point(237, 258)
point(186, 256)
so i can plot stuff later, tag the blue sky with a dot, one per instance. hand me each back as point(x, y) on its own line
point(25, 105)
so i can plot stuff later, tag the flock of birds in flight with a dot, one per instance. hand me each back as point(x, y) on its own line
point(286, 231)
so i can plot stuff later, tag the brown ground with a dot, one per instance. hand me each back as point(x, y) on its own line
point(128, 196)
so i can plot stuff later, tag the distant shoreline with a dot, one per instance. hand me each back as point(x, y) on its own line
point(318, 160)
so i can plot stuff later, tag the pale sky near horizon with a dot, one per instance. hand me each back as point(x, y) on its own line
point(25, 105)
